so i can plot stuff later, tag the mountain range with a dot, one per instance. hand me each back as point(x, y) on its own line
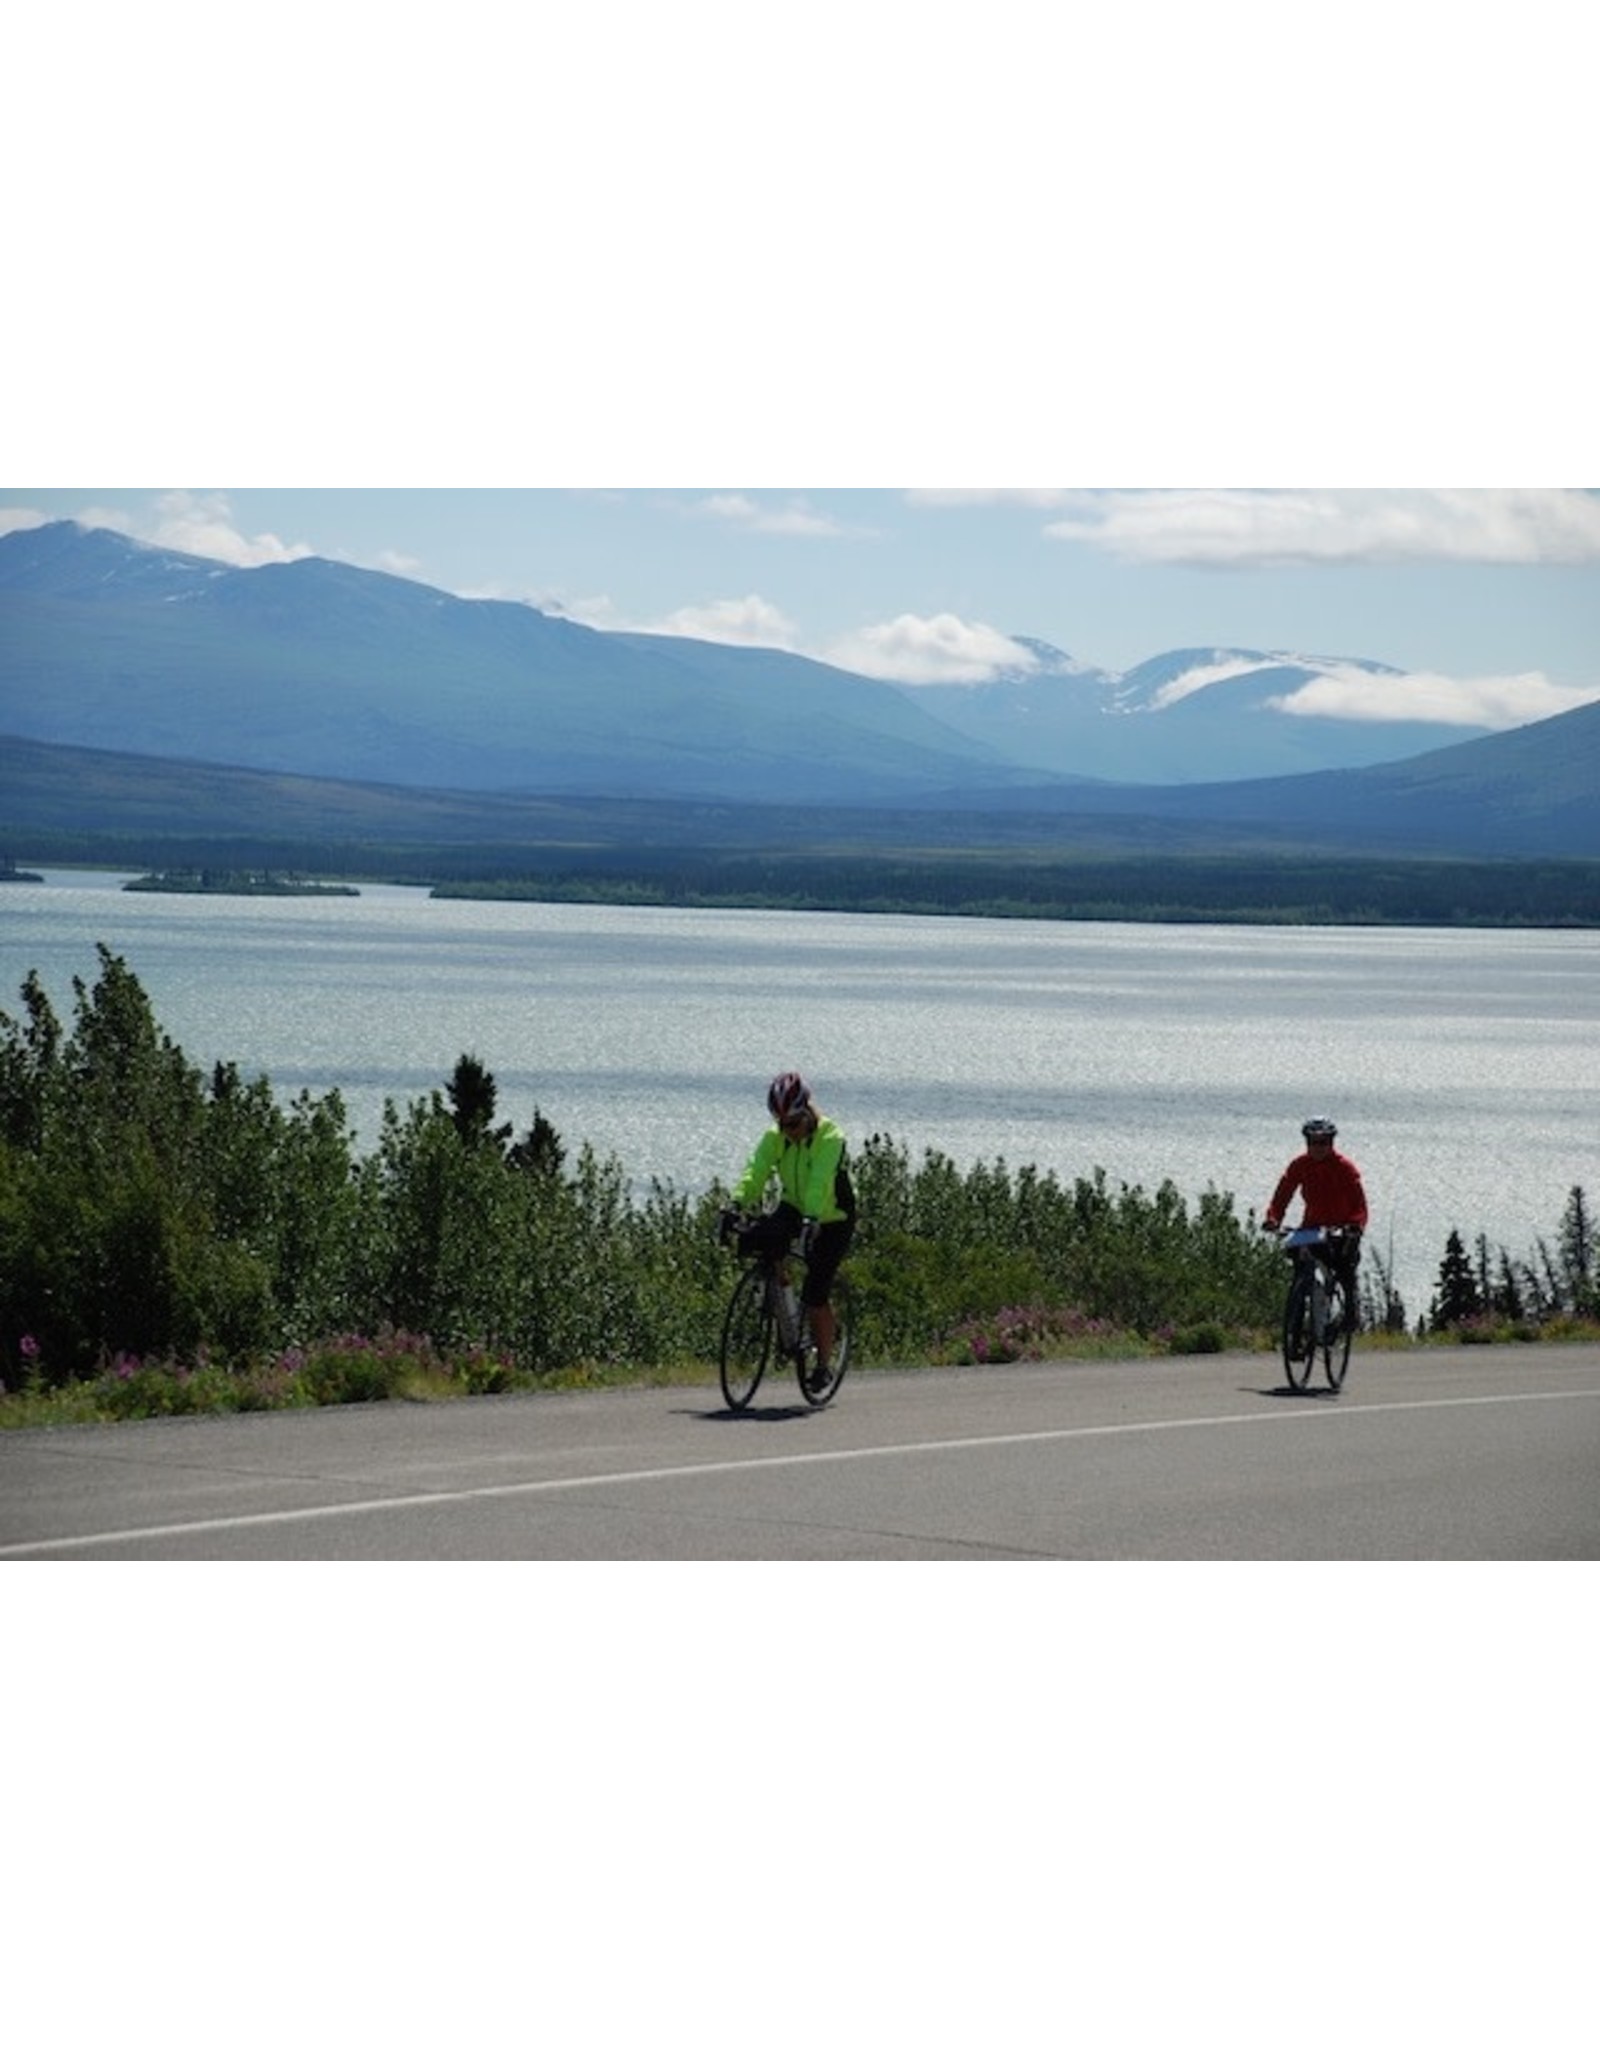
point(186, 693)
point(1194, 714)
point(316, 668)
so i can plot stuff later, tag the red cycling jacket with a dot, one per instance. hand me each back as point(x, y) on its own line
point(1331, 1187)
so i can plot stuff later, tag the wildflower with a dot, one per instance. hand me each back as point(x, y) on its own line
point(29, 1347)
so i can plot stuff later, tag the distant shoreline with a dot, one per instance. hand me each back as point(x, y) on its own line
point(233, 885)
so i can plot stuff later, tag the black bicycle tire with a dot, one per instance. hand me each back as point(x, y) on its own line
point(746, 1338)
point(1340, 1347)
point(839, 1363)
point(1299, 1353)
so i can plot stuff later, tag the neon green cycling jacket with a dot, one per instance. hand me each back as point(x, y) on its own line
point(812, 1176)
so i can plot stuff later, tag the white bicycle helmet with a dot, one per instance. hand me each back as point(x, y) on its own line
point(787, 1097)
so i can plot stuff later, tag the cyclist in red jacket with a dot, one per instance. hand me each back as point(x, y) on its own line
point(1330, 1187)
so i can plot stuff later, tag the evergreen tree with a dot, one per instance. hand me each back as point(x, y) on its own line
point(1578, 1261)
point(541, 1151)
point(1458, 1298)
point(1506, 1296)
point(473, 1095)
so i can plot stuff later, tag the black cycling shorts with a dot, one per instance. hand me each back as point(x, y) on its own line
point(827, 1255)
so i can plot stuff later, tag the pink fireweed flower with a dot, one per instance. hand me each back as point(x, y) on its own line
point(29, 1347)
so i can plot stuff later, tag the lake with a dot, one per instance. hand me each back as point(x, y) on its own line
point(1458, 1064)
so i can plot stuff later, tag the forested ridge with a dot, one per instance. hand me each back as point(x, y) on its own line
point(934, 880)
point(1161, 888)
point(1269, 853)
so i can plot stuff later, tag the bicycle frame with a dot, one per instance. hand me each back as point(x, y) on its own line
point(766, 1319)
point(1318, 1318)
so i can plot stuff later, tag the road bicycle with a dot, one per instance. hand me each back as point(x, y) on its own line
point(766, 1324)
point(1318, 1316)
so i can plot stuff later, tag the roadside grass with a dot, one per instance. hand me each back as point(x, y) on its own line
point(400, 1366)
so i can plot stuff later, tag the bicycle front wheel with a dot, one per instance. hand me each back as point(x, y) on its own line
point(1299, 1351)
point(1336, 1353)
point(746, 1338)
point(820, 1388)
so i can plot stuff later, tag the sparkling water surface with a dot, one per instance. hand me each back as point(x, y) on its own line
point(1460, 1065)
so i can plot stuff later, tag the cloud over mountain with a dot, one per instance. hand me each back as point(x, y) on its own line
point(942, 649)
point(1219, 529)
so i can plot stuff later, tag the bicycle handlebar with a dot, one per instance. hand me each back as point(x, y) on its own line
point(732, 1224)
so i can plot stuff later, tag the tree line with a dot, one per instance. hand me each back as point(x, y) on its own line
point(987, 882)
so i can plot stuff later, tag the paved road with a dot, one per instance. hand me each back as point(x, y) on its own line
point(1471, 1453)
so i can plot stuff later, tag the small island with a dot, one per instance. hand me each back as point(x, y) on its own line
point(234, 882)
point(10, 872)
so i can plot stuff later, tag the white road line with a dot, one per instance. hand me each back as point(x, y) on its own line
point(523, 1488)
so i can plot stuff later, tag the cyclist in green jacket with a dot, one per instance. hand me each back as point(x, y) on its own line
point(805, 1152)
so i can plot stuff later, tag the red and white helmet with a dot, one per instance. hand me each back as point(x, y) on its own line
point(787, 1097)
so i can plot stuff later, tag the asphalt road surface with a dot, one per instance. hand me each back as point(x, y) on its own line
point(1473, 1454)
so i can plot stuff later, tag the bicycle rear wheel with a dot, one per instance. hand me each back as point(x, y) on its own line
point(1299, 1353)
point(1336, 1352)
point(820, 1391)
point(746, 1337)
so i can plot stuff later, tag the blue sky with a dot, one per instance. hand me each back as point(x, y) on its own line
point(1146, 242)
point(1489, 600)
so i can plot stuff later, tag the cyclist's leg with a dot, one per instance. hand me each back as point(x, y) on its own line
point(1349, 1267)
point(827, 1253)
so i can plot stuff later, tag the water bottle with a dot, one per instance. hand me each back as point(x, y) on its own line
point(788, 1313)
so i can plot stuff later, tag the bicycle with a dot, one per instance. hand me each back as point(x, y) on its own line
point(1318, 1315)
point(765, 1322)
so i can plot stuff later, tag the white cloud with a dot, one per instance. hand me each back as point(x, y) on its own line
point(750, 621)
point(795, 518)
point(730, 621)
point(735, 621)
point(943, 649)
point(598, 612)
point(1194, 679)
point(1221, 529)
point(393, 563)
point(1038, 501)
point(17, 519)
point(202, 524)
point(1499, 702)
point(1023, 500)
